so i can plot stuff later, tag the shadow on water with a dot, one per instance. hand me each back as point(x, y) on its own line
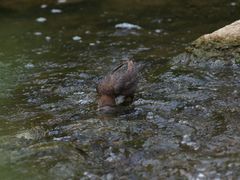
point(182, 124)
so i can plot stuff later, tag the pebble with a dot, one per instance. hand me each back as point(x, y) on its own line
point(62, 1)
point(29, 66)
point(41, 19)
point(43, 6)
point(37, 33)
point(76, 38)
point(56, 11)
point(158, 30)
point(233, 3)
point(48, 38)
point(127, 26)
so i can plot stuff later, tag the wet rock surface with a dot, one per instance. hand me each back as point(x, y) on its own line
point(208, 76)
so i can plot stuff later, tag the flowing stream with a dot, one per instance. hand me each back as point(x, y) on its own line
point(183, 123)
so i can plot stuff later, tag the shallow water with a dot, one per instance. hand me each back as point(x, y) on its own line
point(182, 124)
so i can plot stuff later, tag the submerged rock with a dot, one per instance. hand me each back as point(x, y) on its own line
point(127, 26)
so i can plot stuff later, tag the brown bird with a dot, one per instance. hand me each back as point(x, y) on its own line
point(121, 81)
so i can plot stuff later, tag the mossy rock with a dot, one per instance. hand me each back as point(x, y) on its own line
point(216, 50)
